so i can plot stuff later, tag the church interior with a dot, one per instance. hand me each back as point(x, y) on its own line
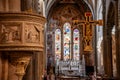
point(59, 40)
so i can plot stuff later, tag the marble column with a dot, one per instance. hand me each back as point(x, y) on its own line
point(14, 5)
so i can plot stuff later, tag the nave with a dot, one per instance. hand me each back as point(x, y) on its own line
point(59, 39)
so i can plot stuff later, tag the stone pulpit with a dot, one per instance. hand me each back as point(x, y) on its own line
point(21, 35)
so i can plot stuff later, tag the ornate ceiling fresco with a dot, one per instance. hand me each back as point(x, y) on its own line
point(68, 10)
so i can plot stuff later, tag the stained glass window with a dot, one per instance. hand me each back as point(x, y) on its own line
point(58, 44)
point(76, 53)
point(67, 44)
point(67, 41)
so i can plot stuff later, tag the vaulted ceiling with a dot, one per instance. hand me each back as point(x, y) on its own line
point(82, 5)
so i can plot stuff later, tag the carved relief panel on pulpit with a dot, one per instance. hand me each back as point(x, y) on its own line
point(32, 34)
point(10, 32)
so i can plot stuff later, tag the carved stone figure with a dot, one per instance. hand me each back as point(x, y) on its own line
point(10, 34)
point(32, 34)
point(4, 36)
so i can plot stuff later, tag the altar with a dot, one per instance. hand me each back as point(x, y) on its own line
point(74, 68)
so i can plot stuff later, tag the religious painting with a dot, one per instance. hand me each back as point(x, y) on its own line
point(10, 33)
point(76, 45)
point(67, 41)
point(57, 44)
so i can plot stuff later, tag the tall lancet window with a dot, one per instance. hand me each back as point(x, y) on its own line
point(76, 54)
point(58, 44)
point(67, 41)
point(64, 41)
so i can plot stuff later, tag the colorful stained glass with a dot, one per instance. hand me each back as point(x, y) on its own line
point(76, 53)
point(67, 41)
point(57, 44)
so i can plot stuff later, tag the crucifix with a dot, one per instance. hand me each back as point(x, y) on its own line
point(87, 30)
